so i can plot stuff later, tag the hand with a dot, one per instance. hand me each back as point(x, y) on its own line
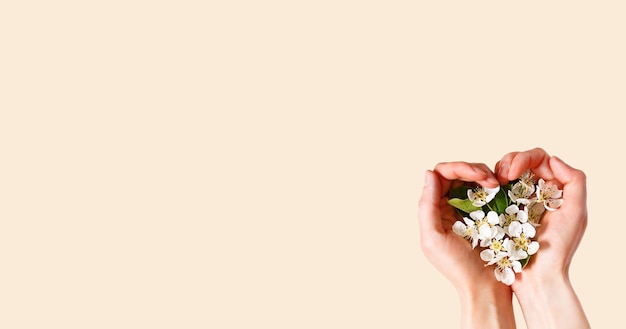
point(485, 302)
point(543, 288)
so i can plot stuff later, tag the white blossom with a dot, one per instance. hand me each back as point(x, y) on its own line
point(550, 195)
point(535, 211)
point(521, 234)
point(523, 189)
point(480, 196)
point(506, 266)
point(506, 269)
point(466, 229)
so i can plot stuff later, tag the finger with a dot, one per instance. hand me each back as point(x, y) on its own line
point(502, 167)
point(429, 213)
point(484, 168)
point(464, 171)
point(574, 182)
point(574, 195)
point(535, 160)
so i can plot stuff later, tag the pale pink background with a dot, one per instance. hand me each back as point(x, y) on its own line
point(257, 164)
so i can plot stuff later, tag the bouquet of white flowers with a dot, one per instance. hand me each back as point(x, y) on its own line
point(502, 220)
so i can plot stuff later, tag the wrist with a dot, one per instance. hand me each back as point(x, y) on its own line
point(550, 302)
point(487, 306)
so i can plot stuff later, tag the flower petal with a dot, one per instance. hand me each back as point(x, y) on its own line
point(517, 266)
point(522, 216)
point(487, 255)
point(508, 277)
point(553, 204)
point(459, 228)
point(484, 232)
point(477, 215)
point(533, 247)
point(492, 218)
point(515, 229)
point(468, 221)
point(474, 242)
point(499, 233)
point(518, 254)
point(529, 230)
point(512, 209)
point(509, 245)
point(491, 194)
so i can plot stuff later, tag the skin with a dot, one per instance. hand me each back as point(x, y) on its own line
point(484, 305)
point(543, 289)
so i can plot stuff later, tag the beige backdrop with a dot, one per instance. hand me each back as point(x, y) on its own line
point(257, 164)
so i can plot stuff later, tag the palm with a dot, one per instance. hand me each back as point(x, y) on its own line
point(457, 252)
point(449, 253)
point(558, 235)
point(560, 231)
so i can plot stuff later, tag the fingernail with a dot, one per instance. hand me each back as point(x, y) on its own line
point(479, 170)
point(504, 171)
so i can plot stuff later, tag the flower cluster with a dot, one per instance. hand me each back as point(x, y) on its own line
point(502, 220)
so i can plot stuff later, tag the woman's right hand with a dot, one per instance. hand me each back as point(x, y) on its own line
point(543, 288)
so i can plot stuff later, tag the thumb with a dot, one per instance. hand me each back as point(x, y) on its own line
point(429, 214)
point(574, 181)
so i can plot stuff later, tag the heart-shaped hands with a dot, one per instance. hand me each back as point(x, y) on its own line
point(518, 192)
point(543, 289)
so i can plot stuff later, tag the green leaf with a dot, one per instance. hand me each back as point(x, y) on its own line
point(500, 202)
point(459, 192)
point(525, 261)
point(464, 205)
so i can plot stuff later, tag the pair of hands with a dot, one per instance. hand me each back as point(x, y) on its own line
point(558, 235)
